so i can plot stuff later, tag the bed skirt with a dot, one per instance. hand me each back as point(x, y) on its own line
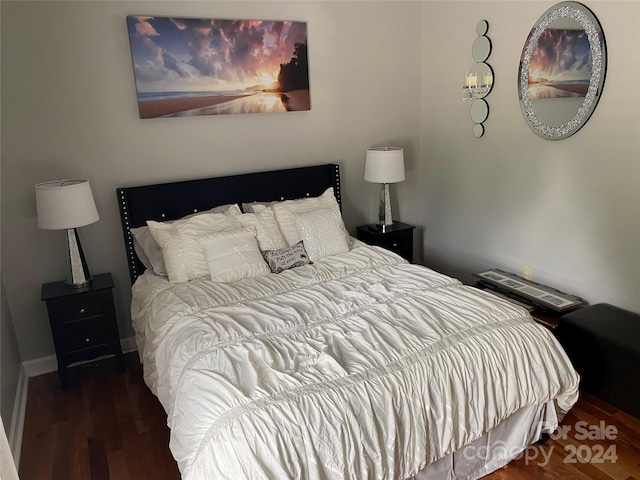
point(496, 448)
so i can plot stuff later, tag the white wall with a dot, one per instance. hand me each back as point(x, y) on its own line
point(571, 208)
point(69, 110)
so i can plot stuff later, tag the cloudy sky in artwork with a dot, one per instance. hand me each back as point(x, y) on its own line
point(177, 54)
point(562, 55)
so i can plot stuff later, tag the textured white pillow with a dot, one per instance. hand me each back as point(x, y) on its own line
point(251, 207)
point(183, 256)
point(148, 250)
point(322, 231)
point(268, 233)
point(232, 209)
point(233, 255)
point(284, 212)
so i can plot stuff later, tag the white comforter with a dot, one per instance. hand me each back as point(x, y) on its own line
point(359, 366)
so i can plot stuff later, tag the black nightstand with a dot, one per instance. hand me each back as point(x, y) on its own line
point(398, 238)
point(83, 322)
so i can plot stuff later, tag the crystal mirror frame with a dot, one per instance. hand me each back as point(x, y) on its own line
point(588, 22)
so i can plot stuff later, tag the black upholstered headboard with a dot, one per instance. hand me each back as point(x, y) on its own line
point(170, 201)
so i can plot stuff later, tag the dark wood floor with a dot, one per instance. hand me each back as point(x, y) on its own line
point(105, 426)
point(109, 426)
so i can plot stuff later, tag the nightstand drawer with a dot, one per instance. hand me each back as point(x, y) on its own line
point(397, 237)
point(72, 312)
point(395, 242)
point(84, 336)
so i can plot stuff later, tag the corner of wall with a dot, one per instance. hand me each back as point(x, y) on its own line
point(17, 419)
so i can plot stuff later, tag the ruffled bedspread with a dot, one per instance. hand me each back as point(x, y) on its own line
point(358, 366)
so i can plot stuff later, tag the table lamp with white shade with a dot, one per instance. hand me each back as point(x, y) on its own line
point(67, 205)
point(384, 165)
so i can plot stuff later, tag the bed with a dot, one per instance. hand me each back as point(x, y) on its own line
point(353, 364)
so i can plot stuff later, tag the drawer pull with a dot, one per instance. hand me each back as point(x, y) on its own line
point(87, 340)
point(82, 310)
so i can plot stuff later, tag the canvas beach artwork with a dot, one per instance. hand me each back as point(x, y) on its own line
point(189, 67)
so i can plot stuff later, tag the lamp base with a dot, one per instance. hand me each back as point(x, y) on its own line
point(384, 208)
point(78, 275)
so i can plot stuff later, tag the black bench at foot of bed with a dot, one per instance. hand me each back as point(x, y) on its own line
point(603, 342)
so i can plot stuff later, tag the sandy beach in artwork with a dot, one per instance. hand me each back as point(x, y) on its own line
point(159, 108)
point(570, 87)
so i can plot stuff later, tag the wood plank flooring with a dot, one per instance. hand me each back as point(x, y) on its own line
point(105, 426)
point(109, 426)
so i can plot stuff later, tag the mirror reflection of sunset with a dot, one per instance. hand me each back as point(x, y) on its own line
point(561, 65)
point(535, 75)
point(561, 55)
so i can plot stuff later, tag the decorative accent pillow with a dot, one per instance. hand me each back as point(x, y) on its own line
point(268, 234)
point(183, 256)
point(233, 255)
point(322, 231)
point(148, 250)
point(286, 258)
point(284, 212)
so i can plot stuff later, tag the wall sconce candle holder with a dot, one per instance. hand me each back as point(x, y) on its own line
point(474, 89)
point(478, 82)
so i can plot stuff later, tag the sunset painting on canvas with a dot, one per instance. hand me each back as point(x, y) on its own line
point(188, 67)
point(561, 65)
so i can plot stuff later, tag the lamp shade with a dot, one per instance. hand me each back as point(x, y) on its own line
point(65, 204)
point(384, 165)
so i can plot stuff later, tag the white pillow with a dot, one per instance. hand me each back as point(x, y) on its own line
point(284, 212)
point(268, 234)
point(231, 208)
point(251, 207)
point(148, 250)
point(233, 255)
point(322, 231)
point(183, 256)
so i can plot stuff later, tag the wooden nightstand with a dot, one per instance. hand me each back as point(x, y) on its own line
point(398, 238)
point(83, 322)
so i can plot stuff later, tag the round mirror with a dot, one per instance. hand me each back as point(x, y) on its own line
point(481, 49)
point(562, 70)
point(482, 27)
point(479, 111)
point(478, 130)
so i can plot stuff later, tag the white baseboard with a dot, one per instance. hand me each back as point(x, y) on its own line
point(33, 368)
point(128, 345)
point(41, 366)
point(17, 419)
